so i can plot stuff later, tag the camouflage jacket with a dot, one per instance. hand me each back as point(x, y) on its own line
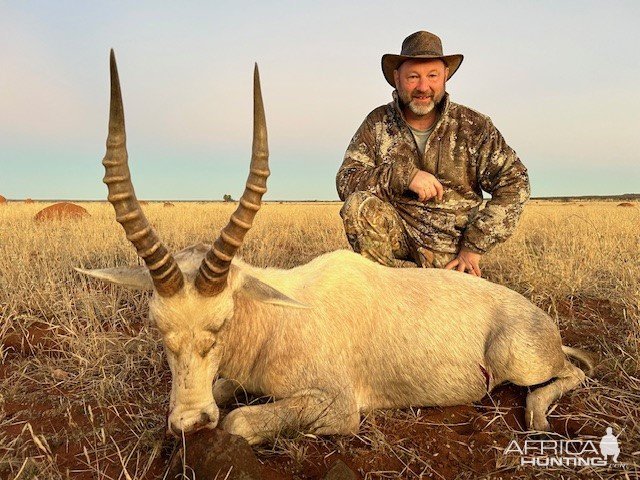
point(465, 152)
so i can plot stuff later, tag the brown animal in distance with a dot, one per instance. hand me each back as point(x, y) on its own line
point(328, 340)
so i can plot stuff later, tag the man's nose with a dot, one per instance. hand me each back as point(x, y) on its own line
point(423, 85)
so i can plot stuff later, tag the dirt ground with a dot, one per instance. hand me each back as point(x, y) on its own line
point(453, 442)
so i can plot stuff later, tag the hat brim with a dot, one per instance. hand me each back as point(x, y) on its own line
point(391, 62)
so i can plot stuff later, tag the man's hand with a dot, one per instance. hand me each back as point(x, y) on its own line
point(426, 186)
point(466, 261)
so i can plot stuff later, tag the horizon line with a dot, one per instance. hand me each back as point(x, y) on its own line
point(552, 197)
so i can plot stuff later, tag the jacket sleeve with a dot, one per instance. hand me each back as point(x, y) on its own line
point(362, 170)
point(502, 174)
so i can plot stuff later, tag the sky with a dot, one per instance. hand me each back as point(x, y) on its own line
point(558, 78)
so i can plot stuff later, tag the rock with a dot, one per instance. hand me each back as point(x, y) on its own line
point(340, 471)
point(626, 204)
point(62, 210)
point(210, 454)
point(168, 204)
point(60, 374)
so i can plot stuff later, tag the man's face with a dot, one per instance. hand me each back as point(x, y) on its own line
point(421, 84)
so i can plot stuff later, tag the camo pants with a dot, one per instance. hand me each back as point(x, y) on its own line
point(375, 230)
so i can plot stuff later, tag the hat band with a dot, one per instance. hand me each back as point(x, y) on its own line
point(424, 52)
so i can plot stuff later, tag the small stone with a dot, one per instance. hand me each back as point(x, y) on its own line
point(60, 374)
point(340, 471)
point(210, 454)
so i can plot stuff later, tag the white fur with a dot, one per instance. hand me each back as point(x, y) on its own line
point(366, 337)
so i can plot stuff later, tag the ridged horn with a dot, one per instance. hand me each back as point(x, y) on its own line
point(212, 275)
point(166, 275)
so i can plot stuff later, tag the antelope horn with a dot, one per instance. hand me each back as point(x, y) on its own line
point(212, 275)
point(165, 273)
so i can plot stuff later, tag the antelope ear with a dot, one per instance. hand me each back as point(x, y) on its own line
point(262, 292)
point(134, 277)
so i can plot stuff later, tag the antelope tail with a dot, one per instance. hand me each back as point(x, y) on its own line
point(585, 357)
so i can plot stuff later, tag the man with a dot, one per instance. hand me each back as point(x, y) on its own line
point(414, 172)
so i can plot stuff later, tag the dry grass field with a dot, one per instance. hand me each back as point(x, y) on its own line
point(84, 385)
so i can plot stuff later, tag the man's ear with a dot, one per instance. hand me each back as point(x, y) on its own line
point(134, 277)
point(262, 292)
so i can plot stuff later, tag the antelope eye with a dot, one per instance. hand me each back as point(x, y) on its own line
point(206, 343)
point(171, 342)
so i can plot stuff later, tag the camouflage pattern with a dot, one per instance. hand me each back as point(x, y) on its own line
point(376, 231)
point(465, 152)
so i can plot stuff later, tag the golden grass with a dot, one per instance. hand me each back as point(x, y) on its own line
point(103, 364)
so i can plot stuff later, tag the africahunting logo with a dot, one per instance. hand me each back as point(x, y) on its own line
point(568, 452)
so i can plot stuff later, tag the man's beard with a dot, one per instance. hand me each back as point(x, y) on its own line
point(407, 100)
point(421, 109)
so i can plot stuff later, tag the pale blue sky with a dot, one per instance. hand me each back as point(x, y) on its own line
point(560, 79)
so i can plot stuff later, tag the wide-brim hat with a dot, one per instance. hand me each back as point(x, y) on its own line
point(419, 45)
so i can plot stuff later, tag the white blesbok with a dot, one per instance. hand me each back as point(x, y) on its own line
point(330, 339)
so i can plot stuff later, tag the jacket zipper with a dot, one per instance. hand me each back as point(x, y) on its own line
point(438, 156)
point(439, 138)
